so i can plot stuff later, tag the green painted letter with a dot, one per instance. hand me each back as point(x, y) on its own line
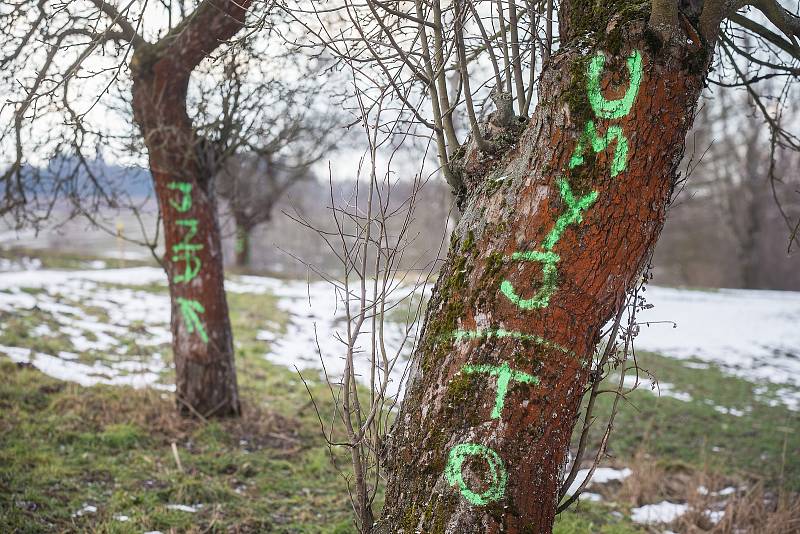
point(504, 376)
point(613, 109)
point(186, 200)
point(455, 462)
point(189, 310)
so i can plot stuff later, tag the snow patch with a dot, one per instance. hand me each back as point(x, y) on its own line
point(145, 374)
point(601, 475)
point(87, 509)
point(318, 325)
point(185, 507)
point(751, 334)
point(661, 389)
point(663, 512)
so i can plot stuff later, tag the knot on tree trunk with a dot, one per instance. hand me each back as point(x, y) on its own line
point(474, 166)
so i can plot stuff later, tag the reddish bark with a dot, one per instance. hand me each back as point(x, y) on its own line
point(511, 206)
point(202, 347)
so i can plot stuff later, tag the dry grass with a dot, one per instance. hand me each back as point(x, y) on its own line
point(155, 412)
point(752, 509)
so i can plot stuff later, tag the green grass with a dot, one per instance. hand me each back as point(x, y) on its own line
point(594, 518)
point(55, 259)
point(762, 443)
point(63, 446)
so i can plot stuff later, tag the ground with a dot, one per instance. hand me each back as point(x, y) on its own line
point(88, 446)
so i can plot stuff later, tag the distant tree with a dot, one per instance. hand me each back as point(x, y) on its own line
point(268, 126)
point(80, 74)
point(251, 185)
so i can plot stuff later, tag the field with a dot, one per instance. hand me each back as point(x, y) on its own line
point(89, 440)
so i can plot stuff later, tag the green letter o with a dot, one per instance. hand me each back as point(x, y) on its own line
point(455, 461)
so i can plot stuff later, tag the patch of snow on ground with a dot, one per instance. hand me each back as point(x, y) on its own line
point(185, 507)
point(87, 509)
point(86, 332)
point(124, 373)
point(601, 475)
point(662, 389)
point(20, 264)
point(730, 411)
point(696, 365)
point(318, 325)
point(663, 512)
point(752, 334)
point(715, 516)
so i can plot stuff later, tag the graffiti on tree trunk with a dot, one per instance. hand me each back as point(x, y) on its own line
point(549, 259)
point(186, 252)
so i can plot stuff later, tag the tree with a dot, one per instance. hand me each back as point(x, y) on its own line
point(267, 125)
point(251, 185)
point(52, 48)
point(561, 211)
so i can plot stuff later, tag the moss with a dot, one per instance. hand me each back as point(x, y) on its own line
point(469, 242)
point(590, 18)
point(575, 97)
point(451, 284)
point(582, 179)
point(459, 387)
point(494, 263)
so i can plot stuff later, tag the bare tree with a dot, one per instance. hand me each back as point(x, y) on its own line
point(561, 210)
point(268, 122)
point(251, 185)
point(65, 68)
point(372, 237)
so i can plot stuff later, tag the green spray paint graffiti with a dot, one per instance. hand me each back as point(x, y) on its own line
point(504, 375)
point(548, 258)
point(604, 109)
point(497, 471)
point(614, 134)
point(186, 252)
point(189, 310)
point(185, 203)
point(598, 144)
point(613, 109)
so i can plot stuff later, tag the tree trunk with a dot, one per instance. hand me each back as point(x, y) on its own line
point(182, 170)
point(554, 230)
point(242, 245)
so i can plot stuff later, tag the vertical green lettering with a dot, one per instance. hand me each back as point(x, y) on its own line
point(185, 203)
point(189, 309)
point(613, 109)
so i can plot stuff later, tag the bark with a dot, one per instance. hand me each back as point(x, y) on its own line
point(550, 239)
point(182, 169)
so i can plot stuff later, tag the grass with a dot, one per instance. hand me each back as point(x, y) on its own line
point(58, 259)
point(761, 444)
point(63, 447)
